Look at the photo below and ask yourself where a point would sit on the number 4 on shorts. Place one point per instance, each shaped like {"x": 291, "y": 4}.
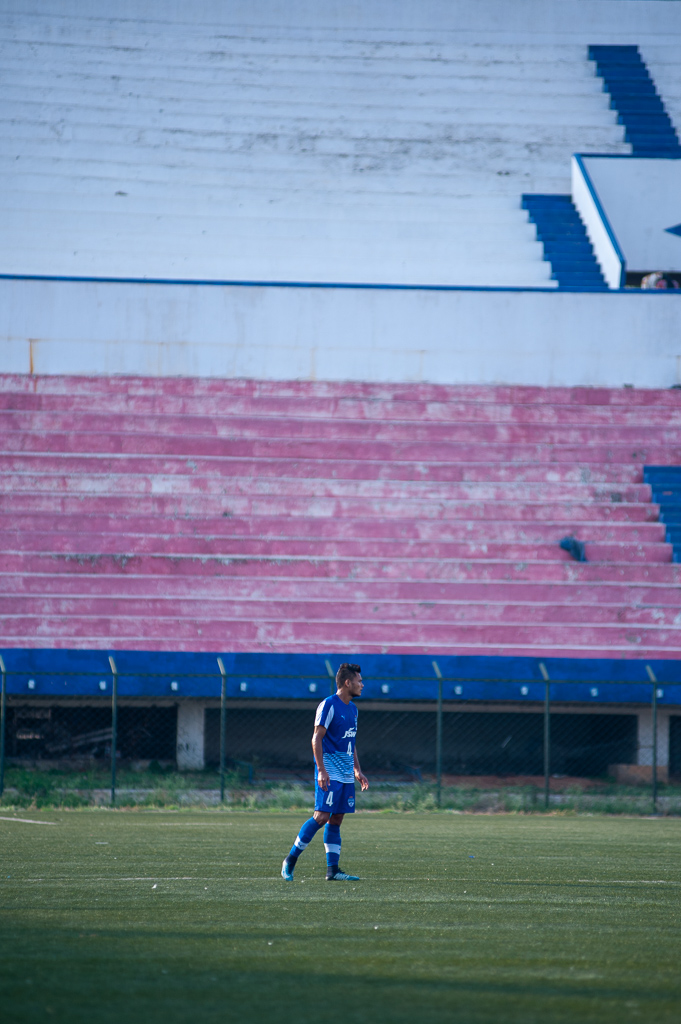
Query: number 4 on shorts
{"x": 329, "y": 799}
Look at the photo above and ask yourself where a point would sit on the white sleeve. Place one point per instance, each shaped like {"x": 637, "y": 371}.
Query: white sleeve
{"x": 324, "y": 715}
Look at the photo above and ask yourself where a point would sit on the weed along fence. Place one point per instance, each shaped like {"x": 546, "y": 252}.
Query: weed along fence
{"x": 419, "y": 722}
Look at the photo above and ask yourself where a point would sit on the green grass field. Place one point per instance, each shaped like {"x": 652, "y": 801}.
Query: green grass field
{"x": 160, "y": 918}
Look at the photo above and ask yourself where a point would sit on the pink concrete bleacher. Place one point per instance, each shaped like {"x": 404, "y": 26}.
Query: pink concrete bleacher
{"x": 178, "y": 514}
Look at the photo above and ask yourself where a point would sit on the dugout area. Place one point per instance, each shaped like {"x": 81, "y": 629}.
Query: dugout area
{"x": 400, "y": 739}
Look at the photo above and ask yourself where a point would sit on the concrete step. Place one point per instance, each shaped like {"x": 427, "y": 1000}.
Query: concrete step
{"x": 143, "y": 474}
{"x": 332, "y": 635}
{"x": 83, "y": 582}
{"x": 71, "y": 495}
{"x": 461, "y": 161}
{"x": 271, "y": 406}
{"x": 165, "y": 190}
{"x": 436, "y": 37}
{"x": 436, "y": 53}
{"x": 339, "y": 428}
{"x": 84, "y": 542}
{"x": 359, "y": 569}
{"x": 320, "y": 259}
{"x": 161, "y": 388}
{"x": 236, "y": 205}
{"x": 424, "y": 186}
{"x": 337, "y": 75}
{"x": 268, "y": 407}
{"x": 582, "y": 455}
{"x": 430, "y": 614}
{"x": 182, "y": 179}
{"x": 401, "y": 532}
{"x": 284, "y": 152}
{"x": 220, "y": 234}
{"x": 328, "y": 98}
{"x": 20, "y": 85}
{"x": 612, "y": 481}
{"x": 288, "y": 267}
{"x": 324, "y": 118}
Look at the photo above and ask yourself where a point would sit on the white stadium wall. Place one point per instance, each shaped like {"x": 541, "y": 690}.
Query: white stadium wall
{"x": 371, "y": 334}
{"x": 642, "y": 200}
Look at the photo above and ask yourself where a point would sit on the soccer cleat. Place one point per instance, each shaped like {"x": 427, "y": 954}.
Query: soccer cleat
{"x": 340, "y": 876}
{"x": 286, "y": 871}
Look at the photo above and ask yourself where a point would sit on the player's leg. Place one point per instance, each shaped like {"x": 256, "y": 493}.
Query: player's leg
{"x": 308, "y": 831}
{"x": 332, "y": 845}
{"x": 344, "y": 804}
{"x": 322, "y": 804}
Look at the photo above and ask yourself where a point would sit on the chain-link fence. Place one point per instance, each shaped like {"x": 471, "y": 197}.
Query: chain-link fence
{"x": 74, "y": 732}
{"x": 433, "y": 739}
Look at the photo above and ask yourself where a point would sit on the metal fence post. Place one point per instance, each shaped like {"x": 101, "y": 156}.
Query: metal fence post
{"x": 3, "y": 708}
{"x": 438, "y": 736}
{"x": 653, "y": 679}
{"x": 332, "y": 676}
{"x": 547, "y": 733}
{"x": 223, "y": 727}
{"x": 114, "y": 727}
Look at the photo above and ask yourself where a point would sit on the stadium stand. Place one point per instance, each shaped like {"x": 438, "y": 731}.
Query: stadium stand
{"x": 253, "y": 516}
{"x": 193, "y": 148}
{"x": 369, "y": 471}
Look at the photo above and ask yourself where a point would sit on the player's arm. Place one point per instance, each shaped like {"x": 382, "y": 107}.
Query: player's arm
{"x": 359, "y": 774}
{"x": 322, "y": 774}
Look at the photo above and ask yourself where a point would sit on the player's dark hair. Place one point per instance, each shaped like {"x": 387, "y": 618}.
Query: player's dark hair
{"x": 345, "y": 673}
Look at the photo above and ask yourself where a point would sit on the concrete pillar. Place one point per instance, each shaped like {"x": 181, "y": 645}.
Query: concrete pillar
{"x": 645, "y": 737}
{"x": 190, "y": 735}
{"x": 641, "y": 773}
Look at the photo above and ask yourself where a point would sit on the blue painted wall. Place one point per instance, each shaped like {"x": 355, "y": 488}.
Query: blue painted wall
{"x": 387, "y": 677}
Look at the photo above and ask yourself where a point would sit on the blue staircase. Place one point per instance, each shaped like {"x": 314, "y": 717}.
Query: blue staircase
{"x": 634, "y": 96}
{"x": 566, "y": 243}
{"x": 666, "y": 485}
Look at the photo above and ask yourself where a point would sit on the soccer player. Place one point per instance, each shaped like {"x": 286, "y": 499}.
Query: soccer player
{"x": 335, "y": 754}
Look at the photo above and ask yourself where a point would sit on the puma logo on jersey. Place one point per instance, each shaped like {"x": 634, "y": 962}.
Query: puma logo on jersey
{"x": 349, "y": 732}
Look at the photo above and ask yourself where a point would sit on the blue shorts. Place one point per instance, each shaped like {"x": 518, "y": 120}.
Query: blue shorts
{"x": 339, "y": 798}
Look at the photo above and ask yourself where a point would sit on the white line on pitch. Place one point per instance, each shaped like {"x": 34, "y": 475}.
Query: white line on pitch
{"x": 29, "y": 821}
{"x": 629, "y": 881}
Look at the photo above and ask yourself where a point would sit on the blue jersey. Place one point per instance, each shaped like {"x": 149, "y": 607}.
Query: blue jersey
{"x": 338, "y": 745}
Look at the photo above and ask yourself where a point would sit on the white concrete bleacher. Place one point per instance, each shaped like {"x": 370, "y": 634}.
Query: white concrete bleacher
{"x": 662, "y": 59}
{"x": 295, "y": 142}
